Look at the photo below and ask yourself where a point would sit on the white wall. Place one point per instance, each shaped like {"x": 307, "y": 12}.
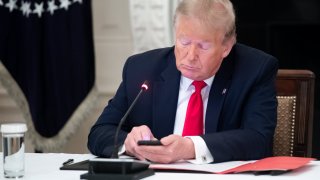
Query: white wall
{"x": 113, "y": 41}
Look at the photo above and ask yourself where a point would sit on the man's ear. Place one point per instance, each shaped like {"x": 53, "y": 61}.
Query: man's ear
{"x": 228, "y": 44}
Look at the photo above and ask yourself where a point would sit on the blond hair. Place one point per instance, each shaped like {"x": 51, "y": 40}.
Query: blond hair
{"x": 217, "y": 14}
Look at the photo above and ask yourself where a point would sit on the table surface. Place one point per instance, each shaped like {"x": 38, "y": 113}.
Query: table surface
{"x": 40, "y": 166}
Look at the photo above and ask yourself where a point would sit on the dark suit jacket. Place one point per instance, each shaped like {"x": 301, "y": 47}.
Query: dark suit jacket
{"x": 241, "y": 111}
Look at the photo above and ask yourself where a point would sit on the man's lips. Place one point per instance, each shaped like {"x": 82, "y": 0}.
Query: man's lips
{"x": 189, "y": 67}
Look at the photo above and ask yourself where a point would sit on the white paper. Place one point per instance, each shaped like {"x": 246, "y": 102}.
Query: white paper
{"x": 212, "y": 168}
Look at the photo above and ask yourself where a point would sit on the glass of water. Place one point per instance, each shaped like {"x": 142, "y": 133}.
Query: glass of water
{"x": 13, "y": 148}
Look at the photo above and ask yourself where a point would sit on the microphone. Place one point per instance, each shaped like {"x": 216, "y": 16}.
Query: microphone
{"x": 115, "y": 155}
{"x": 115, "y": 167}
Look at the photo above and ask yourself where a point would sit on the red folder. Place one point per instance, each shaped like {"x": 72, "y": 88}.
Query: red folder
{"x": 274, "y": 165}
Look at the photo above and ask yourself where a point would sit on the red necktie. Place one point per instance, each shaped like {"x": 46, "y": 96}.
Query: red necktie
{"x": 193, "y": 125}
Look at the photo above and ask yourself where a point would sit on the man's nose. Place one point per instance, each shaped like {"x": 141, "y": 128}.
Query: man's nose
{"x": 192, "y": 52}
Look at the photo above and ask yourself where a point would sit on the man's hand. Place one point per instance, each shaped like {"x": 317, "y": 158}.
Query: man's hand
{"x": 174, "y": 148}
{"x": 136, "y": 134}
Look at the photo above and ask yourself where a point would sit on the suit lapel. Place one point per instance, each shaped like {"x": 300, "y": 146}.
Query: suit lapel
{"x": 165, "y": 97}
{"x": 218, "y": 92}
{"x": 166, "y": 91}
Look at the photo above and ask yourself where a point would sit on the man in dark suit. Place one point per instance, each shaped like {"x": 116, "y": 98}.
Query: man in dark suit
{"x": 238, "y": 98}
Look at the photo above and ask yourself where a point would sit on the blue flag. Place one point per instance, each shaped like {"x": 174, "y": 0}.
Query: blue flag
{"x": 47, "y": 47}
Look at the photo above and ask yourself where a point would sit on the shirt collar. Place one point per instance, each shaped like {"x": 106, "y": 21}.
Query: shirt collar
{"x": 186, "y": 82}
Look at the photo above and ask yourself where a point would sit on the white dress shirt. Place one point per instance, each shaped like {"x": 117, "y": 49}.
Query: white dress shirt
{"x": 202, "y": 152}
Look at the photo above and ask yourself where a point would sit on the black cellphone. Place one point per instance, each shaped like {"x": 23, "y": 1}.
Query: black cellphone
{"x": 149, "y": 143}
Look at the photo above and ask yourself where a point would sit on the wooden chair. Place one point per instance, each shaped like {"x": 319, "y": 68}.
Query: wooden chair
{"x": 295, "y": 94}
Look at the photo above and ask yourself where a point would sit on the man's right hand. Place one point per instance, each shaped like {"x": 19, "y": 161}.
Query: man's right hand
{"x": 131, "y": 142}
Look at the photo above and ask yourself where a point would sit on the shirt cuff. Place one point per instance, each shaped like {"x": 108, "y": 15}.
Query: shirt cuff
{"x": 122, "y": 150}
{"x": 202, "y": 153}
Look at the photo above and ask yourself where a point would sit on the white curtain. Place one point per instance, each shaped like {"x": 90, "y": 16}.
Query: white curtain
{"x": 152, "y": 23}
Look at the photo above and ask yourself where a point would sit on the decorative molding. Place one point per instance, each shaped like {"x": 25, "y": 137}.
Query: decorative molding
{"x": 151, "y": 23}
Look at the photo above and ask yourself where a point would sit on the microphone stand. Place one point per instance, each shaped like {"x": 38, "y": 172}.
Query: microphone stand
{"x": 115, "y": 168}
{"x": 116, "y": 146}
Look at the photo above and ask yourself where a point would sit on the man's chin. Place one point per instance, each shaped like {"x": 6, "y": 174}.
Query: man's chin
{"x": 189, "y": 75}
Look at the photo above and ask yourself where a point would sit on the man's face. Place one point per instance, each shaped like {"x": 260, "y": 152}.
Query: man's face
{"x": 199, "y": 51}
